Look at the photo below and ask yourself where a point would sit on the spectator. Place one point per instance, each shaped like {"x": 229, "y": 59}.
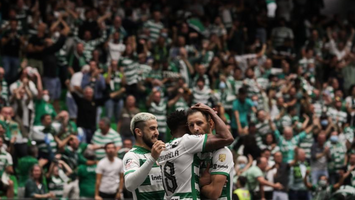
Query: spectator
{"x": 44, "y": 136}
{"x": 320, "y": 154}
{"x": 43, "y": 106}
{"x": 297, "y": 173}
{"x": 77, "y": 59}
{"x": 87, "y": 176}
{"x": 87, "y": 111}
{"x": 123, "y": 125}
{"x": 105, "y": 135}
{"x": 34, "y": 187}
{"x": 6, "y": 170}
{"x": 35, "y": 48}
{"x": 255, "y": 176}
{"x": 241, "y": 108}
{"x": 154, "y": 26}
{"x": 75, "y": 85}
{"x": 11, "y": 43}
{"x": 280, "y": 33}
{"x": 338, "y": 157}
{"x": 116, "y": 79}
{"x": 108, "y": 171}
{"x": 57, "y": 176}
{"x": 323, "y": 190}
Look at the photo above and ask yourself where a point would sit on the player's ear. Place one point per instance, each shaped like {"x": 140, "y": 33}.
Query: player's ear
{"x": 211, "y": 123}
{"x": 138, "y": 132}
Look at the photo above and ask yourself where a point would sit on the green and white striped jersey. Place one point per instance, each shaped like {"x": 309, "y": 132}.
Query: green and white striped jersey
{"x": 100, "y": 139}
{"x": 5, "y": 160}
{"x": 152, "y": 187}
{"x": 222, "y": 164}
{"x": 349, "y": 133}
{"x": 160, "y": 111}
{"x": 143, "y": 71}
{"x": 181, "y": 104}
{"x": 201, "y": 96}
{"x": 306, "y": 144}
{"x": 337, "y": 114}
{"x": 130, "y": 67}
{"x": 154, "y": 29}
{"x": 180, "y": 167}
{"x": 89, "y": 46}
{"x": 5, "y": 90}
{"x": 338, "y": 153}
{"x": 207, "y": 58}
{"x": 262, "y": 129}
{"x": 205, "y": 77}
{"x": 352, "y": 180}
{"x": 55, "y": 185}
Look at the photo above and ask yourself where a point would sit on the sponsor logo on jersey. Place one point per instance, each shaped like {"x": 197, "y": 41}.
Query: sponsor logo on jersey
{"x": 222, "y": 157}
{"x": 215, "y": 166}
{"x": 128, "y": 163}
{"x": 155, "y": 179}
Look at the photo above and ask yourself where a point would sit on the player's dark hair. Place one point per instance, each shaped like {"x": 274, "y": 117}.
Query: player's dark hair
{"x": 242, "y": 180}
{"x": 191, "y": 111}
{"x": 176, "y": 119}
{"x": 258, "y": 161}
{"x": 242, "y": 90}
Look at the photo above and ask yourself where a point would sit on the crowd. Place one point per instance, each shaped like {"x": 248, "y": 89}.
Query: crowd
{"x": 75, "y": 72}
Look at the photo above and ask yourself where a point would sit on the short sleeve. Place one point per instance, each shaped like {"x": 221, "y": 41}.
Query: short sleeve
{"x": 301, "y": 136}
{"x": 99, "y": 168}
{"x": 222, "y": 162}
{"x": 194, "y": 143}
{"x": 130, "y": 163}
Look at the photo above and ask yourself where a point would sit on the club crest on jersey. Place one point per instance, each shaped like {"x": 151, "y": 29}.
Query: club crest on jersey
{"x": 222, "y": 157}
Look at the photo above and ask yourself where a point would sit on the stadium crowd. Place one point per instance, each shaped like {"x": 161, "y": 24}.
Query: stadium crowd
{"x": 74, "y": 73}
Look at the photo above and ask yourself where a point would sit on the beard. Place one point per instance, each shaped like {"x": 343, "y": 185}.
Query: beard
{"x": 147, "y": 141}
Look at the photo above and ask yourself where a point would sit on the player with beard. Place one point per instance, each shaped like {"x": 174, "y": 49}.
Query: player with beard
{"x": 180, "y": 162}
{"x": 142, "y": 174}
{"x": 218, "y": 183}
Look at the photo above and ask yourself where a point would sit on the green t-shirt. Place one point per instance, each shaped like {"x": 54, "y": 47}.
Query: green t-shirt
{"x": 23, "y": 168}
{"x": 252, "y": 174}
{"x": 87, "y": 179}
{"x": 42, "y": 108}
{"x": 244, "y": 110}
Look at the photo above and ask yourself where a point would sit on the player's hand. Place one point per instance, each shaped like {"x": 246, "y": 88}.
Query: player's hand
{"x": 98, "y": 198}
{"x": 157, "y": 148}
{"x": 203, "y": 107}
{"x": 118, "y": 196}
{"x": 205, "y": 178}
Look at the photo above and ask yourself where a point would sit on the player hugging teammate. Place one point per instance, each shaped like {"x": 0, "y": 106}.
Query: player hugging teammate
{"x": 194, "y": 165}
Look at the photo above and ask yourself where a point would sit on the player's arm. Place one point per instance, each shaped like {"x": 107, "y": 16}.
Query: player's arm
{"x": 223, "y": 137}
{"x": 214, "y": 189}
{"x": 133, "y": 173}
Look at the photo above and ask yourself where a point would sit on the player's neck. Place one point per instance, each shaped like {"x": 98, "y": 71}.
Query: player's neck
{"x": 179, "y": 133}
{"x": 143, "y": 145}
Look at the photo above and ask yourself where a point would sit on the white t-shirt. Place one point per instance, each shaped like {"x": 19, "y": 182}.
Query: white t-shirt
{"x": 110, "y": 174}
{"x": 115, "y": 51}
{"x": 75, "y": 81}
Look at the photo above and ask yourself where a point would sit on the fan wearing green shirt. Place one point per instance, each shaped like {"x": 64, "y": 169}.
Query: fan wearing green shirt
{"x": 23, "y": 168}
{"x": 72, "y": 154}
{"x": 6, "y": 186}
{"x": 43, "y": 106}
{"x": 87, "y": 175}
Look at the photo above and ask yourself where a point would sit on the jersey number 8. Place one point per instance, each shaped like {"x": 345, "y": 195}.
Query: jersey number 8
{"x": 170, "y": 180}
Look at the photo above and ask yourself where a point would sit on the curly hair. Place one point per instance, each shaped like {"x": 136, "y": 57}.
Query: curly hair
{"x": 176, "y": 119}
